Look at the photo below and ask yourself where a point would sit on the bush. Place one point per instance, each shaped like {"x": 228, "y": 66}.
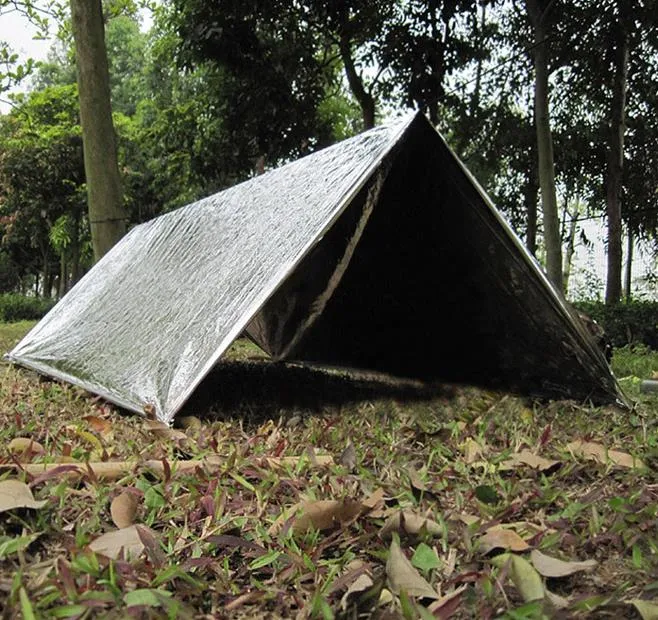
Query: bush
{"x": 626, "y": 323}
{"x": 15, "y": 307}
{"x": 637, "y": 361}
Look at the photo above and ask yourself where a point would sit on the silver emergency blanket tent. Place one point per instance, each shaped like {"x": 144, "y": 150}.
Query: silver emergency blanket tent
{"x": 379, "y": 253}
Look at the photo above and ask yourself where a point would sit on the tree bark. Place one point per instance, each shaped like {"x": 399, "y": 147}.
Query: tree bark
{"x": 546, "y": 168}
{"x": 616, "y": 160}
{"x": 628, "y": 289}
{"x": 107, "y": 214}
{"x": 530, "y": 199}
{"x": 365, "y": 100}
{"x": 571, "y": 245}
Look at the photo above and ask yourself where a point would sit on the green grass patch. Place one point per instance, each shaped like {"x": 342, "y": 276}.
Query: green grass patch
{"x": 325, "y": 494}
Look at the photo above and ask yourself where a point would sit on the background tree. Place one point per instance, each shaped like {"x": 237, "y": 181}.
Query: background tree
{"x": 540, "y": 14}
{"x": 44, "y": 227}
{"x": 107, "y": 216}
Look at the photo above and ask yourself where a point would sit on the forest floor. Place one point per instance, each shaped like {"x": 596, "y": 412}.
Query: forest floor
{"x": 289, "y": 492}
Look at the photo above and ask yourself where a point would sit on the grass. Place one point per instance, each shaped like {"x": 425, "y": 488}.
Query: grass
{"x": 244, "y": 537}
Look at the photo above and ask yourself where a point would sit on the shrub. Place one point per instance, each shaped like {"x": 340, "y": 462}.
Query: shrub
{"x": 15, "y": 307}
{"x": 637, "y": 361}
{"x": 626, "y": 323}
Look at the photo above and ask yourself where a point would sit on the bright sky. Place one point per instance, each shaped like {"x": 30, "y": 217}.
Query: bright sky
{"x": 17, "y": 31}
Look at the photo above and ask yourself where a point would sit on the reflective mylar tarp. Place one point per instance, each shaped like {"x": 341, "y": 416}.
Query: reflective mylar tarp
{"x": 378, "y": 253}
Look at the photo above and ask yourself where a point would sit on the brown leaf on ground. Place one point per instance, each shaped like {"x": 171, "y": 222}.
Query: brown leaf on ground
{"x": 123, "y": 509}
{"x": 552, "y": 567}
{"x": 409, "y": 522}
{"x": 526, "y": 579}
{"x": 125, "y": 543}
{"x": 98, "y": 425}
{"x": 112, "y": 470}
{"x": 448, "y": 604}
{"x": 163, "y": 431}
{"x": 325, "y": 514}
{"x": 402, "y": 576}
{"x": 374, "y": 503}
{"x": 348, "y": 457}
{"x": 525, "y": 457}
{"x": 16, "y": 494}
{"x": 362, "y": 583}
{"x": 498, "y": 537}
{"x": 416, "y": 481}
{"x": 24, "y": 447}
{"x": 599, "y": 453}
{"x": 472, "y": 451}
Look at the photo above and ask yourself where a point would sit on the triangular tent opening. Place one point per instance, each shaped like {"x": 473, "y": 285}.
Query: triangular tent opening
{"x": 379, "y": 253}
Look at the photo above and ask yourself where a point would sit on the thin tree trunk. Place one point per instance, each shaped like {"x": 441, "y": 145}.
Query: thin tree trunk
{"x": 616, "y": 162}
{"x": 530, "y": 199}
{"x": 629, "y": 266}
{"x": 107, "y": 215}
{"x": 63, "y": 276}
{"x": 46, "y": 277}
{"x": 571, "y": 245}
{"x": 546, "y": 167}
{"x": 365, "y": 100}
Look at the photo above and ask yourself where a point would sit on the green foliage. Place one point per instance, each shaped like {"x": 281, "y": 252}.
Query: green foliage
{"x": 626, "y": 323}
{"x": 15, "y": 307}
{"x": 635, "y": 361}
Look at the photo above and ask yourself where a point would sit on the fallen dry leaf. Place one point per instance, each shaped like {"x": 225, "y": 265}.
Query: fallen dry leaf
{"x": 16, "y": 494}
{"x": 402, "y": 576}
{"x": 163, "y": 431}
{"x": 472, "y": 450}
{"x": 325, "y": 514}
{"x": 98, "y": 425}
{"x": 284, "y": 462}
{"x": 525, "y": 578}
{"x": 525, "y": 457}
{"x": 445, "y": 606}
{"x": 557, "y": 601}
{"x": 498, "y": 537}
{"x": 599, "y": 453}
{"x": 125, "y": 541}
{"x": 647, "y": 609}
{"x": 25, "y": 447}
{"x": 416, "y": 481}
{"x": 348, "y": 457}
{"x": 362, "y": 583}
{"x": 552, "y": 567}
{"x": 112, "y": 470}
{"x": 123, "y": 509}
{"x": 409, "y": 522}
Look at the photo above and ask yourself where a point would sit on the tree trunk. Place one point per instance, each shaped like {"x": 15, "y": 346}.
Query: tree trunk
{"x": 546, "y": 167}
{"x": 629, "y": 267}
{"x": 571, "y": 245}
{"x": 365, "y": 100}
{"x": 107, "y": 215}
{"x": 530, "y": 199}
{"x": 616, "y": 161}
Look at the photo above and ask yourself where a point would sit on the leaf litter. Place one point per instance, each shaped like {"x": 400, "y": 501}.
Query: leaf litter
{"x": 376, "y": 501}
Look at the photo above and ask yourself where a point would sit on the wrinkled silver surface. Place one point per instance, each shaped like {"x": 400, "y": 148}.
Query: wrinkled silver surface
{"x": 380, "y": 253}
{"x": 146, "y": 324}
